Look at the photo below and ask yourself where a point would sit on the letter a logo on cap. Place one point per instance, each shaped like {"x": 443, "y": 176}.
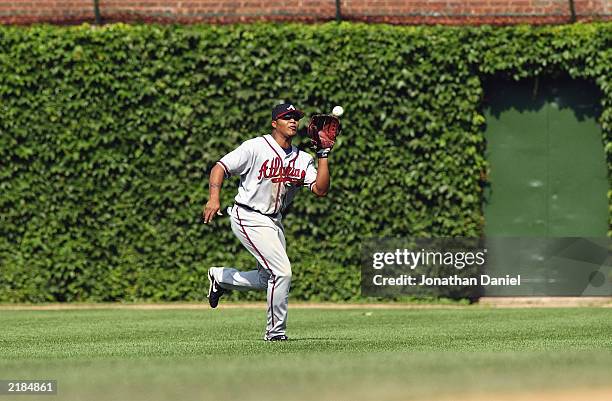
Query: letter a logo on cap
{"x": 285, "y": 108}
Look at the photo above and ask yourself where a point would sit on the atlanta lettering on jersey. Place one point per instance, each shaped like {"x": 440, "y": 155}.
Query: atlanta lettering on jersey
{"x": 274, "y": 170}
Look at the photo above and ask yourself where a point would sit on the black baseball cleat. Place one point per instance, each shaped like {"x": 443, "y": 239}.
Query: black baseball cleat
{"x": 214, "y": 290}
{"x": 281, "y": 337}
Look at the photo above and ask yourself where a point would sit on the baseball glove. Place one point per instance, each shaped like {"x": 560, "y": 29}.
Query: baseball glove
{"x": 322, "y": 131}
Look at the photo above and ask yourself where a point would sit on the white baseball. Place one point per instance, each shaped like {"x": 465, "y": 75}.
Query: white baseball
{"x": 338, "y": 111}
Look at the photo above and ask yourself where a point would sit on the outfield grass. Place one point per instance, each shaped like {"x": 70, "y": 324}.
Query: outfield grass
{"x": 333, "y": 355}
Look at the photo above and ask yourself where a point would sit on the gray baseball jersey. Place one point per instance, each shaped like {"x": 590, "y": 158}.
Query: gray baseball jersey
{"x": 269, "y": 179}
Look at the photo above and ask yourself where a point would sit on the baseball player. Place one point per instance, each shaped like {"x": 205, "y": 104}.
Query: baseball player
{"x": 271, "y": 172}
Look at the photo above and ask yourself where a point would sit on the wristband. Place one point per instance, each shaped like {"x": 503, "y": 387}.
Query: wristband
{"x": 323, "y": 153}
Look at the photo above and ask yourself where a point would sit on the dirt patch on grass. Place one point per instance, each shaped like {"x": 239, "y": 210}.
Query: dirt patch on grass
{"x": 534, "y": 302}
{"x": 545, "y": 302}
{"x": 228, "y": 305}
{"x": 604, "y": 394}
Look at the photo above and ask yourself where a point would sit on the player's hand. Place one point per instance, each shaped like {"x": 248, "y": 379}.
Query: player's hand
{"x": 210, "y": 210}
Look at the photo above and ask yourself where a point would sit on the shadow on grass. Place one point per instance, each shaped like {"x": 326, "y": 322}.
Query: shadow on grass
{"x": 319, "y": 339}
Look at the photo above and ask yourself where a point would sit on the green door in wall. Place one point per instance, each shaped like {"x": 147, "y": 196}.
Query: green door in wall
{"x": 548, "y": 174}
{"x": 548, "y": 179}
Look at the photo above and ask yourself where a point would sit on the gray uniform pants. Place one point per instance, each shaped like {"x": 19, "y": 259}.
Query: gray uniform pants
{"x": 264, "y": 237}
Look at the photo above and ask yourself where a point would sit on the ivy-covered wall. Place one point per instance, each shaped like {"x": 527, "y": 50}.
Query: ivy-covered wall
{"x": 107, "y": 135}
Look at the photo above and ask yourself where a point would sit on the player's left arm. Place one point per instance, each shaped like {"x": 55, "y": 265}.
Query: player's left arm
{"x": 321, "y": 184}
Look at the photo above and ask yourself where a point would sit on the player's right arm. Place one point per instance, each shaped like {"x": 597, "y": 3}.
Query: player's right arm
{"x": 217, "y": 174}
{"x": 236, "y": 162}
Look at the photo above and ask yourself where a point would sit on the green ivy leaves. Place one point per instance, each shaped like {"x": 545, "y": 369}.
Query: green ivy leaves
{"x": 107, "y": 134}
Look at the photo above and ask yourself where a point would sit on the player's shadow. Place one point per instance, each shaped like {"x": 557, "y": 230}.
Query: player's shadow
{"x": 318, "y": 339}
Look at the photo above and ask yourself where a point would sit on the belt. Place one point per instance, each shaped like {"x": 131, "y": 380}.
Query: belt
{"x": 250, "y": 209}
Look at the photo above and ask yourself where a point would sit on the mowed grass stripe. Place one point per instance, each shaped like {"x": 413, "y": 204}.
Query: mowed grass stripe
{"x": 191, "y": 334}
{"x": 368, "y": 354}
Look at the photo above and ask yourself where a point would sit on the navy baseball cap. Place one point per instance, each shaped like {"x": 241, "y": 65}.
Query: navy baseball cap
{"x": 285, "y": 108}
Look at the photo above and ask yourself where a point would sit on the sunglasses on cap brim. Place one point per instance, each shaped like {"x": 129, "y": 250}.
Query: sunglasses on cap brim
{"x": 290, "y": 116}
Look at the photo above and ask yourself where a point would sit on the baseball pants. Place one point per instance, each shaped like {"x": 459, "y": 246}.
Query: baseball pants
{"x": 264, "y": 237}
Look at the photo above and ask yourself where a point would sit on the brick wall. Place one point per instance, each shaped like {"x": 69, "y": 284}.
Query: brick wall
{"x": 227, "y": 11}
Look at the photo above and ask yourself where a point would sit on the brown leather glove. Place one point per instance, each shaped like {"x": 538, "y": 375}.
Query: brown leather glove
{"x": 323, "y": 130}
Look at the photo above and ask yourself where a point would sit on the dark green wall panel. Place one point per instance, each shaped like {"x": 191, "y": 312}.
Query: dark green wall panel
{"x": 578, "y": 172}
{"x": 548, "y": 173}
